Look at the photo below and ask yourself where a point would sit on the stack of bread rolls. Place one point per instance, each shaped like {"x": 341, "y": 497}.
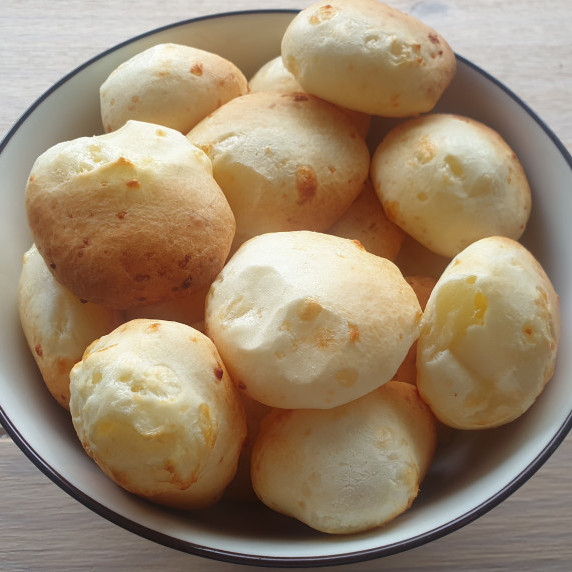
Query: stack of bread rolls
{"x": 233, "y": 292}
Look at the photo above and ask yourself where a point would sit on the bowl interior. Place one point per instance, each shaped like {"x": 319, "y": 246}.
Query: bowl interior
{"x": 473, "y": 471}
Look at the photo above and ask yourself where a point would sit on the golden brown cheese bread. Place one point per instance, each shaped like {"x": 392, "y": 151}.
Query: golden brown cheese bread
{"x": 366, "y": 221}
{"x": 189, "y": 310}
{"x": 449, "y": 180}
{"x": 285, "y": 161}
{"x": 153, "y": 405}
{"x": 58, "y": 326}
{"x": 310, "y": 320}
{"x": 129, "y": 218}
{"x": 368, "y": 56}
{"x": 240, "y": 488}
{"x": 273, "y": 76}
{"x": 422, "y": 286}
{"x": 489, "y": 337}
{"x": 414, "y": 259}
{"x": 171, "y": 85}
{"x": 347, "y": 469}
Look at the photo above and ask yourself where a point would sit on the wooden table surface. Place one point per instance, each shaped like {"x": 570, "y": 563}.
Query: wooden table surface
{"x": 524, "y": 43}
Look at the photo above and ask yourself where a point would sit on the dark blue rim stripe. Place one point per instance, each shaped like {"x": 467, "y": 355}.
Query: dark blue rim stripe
{"x": 250, "y": 559}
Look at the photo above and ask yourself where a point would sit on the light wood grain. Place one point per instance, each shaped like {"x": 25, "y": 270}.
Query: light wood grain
{"x": 524, "y": 43}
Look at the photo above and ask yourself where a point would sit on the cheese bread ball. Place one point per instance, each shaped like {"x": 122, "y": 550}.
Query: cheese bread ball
{"x": 422, "y": 286}
{"x": 285, "y": 161}
{"x": 129, "y": 218}
{"x": 309, "y": 320}
{"x": 273, "y": 76}
{"x": 366, "y": 221}
{"x": 240, "y": 489}
{"x": 347, "y": 469}
{"x": 368, "y": 56}
{"x": 58, "y": 326}
{"x": 154, "y": 407}
{"x": 489, "y": 337}
{"x": 448, "y": 180}
{"x": 189, "y": 310}
{"x": 414, "y": 259}
{"x": 171, "y": 85}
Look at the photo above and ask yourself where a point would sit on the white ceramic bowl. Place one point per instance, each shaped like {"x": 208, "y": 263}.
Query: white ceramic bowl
{"x": 472, "y": 474}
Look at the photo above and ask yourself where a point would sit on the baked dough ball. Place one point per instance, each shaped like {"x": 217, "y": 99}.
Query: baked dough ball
{"x": 171, "y": 85}
{"x": 189, "y": 310}
{"x": 273, "y": 76}
{"x": 240, "y": 489}
{"x": 309, "y": 320}
{"x": 366, "y": 221}
{"x": 129, "y": 218}
{"x": 153, "y": 405}
{"x": 489, "y": 337}
{"x": 449, "y": 180}
{"x": 284, "y": 161}
{"x": 414, "y": 259}
{"x": 422, "y": 286}
{"x": 57, "y": 325}
{"x": 368, "y": 56}
{"x": 347, "y": 469}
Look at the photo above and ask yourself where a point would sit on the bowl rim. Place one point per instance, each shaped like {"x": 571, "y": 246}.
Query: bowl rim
{"x": 279, "y": 561}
